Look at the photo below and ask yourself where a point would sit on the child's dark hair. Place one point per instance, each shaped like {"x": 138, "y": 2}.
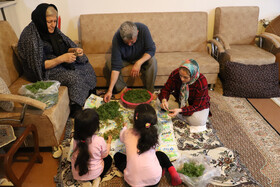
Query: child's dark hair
{"x": 86, "y": 124}
{"x": 145, "y": 119}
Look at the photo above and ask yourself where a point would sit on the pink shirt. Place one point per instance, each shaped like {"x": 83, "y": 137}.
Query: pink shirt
{"x": 98, "y": 150}
{"x": 143, "y": 169}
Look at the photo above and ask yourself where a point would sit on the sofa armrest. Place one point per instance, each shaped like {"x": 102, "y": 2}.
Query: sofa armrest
{"x": 222, "y": 40}
{"x": 23, "y": 99}
{"x": 274, "y": 39}
{"x": 217, "y": 44}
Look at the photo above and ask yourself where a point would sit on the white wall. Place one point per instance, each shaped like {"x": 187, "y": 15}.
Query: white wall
{"x": 19, "y": 15}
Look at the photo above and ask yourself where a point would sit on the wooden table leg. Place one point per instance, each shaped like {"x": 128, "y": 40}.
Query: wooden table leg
{"x": 36, "y": 157}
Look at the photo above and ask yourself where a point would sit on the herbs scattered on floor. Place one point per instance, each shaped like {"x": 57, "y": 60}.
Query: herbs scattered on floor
{"x": 110, "y": 111}
{"x": 137, "y": 96}
{"x": 191, "y": 169}
{"x": 115, "y": 133}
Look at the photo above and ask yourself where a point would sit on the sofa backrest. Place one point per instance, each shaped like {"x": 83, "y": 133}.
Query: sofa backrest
{"x": 9, "y": 64}
{"x": 171, "y": 31}
{"x": 237, "y": 25}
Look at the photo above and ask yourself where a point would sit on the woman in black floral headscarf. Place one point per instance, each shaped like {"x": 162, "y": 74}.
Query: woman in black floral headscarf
{"x": 48, "y": 54}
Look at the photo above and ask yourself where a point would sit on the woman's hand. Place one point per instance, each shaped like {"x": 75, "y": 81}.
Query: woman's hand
{"x": 79, "y": 52}
{"x": 109, "y": 139}
{"x": 68, "y": 57}
{"x": 164, "y": 105}
{"x": 174, "y": 112}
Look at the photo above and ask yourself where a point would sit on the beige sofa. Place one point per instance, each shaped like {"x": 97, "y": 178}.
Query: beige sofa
{"x": 177, "y": 35}
{"x": 50, "y": 122}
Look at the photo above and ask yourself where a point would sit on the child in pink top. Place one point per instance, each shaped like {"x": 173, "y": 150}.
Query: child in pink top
{"x": 90, "y": 159}
{"x": 142, "y": 165}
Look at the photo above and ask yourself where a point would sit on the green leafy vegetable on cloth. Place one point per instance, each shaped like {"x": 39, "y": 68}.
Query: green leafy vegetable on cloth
{"x": 110, "y": 111}
{"x": 34, "y": 88}
{"x": 191, "y": 169}
{"x": 137, "y": 96}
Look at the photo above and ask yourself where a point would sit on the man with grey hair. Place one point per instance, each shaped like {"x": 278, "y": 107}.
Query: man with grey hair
{"x": 132, "y": 44}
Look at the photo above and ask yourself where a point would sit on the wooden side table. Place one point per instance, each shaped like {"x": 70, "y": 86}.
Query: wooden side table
{"x": 11, "y": 152}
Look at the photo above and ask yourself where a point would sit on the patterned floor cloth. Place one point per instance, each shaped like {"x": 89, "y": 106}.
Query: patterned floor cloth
{"x": 241, "y": 128}
{"x": 237, "y": 136}
{"x": 206, "y": 144}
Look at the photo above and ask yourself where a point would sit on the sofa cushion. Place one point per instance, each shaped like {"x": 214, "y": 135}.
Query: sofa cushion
{"x": 259, "y": 82}
{"x": 249, "y": 55}
{"x": 207, "y": 64}
{"x": 171, "y": 31}
{"x": 10, "y": 68}
{"x": 5, "y": 105}
{"x": 229, "y": 22}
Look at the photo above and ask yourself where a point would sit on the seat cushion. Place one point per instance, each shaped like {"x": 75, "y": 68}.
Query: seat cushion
{"x": 166, "y": 62}
{"x": 251, "y": 81}
{"x": 249, "y": 55}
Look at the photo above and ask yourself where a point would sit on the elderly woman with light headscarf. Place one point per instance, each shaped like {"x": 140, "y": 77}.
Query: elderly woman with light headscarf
{"x": 48, "y": 54}
{"x": 190, "y": 90}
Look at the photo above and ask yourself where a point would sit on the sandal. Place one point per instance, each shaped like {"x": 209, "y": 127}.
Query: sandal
{"x": 57, "y": 151}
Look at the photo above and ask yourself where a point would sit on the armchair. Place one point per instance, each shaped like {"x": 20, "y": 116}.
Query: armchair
{"x": 50, "y": 123}
{"x": 246, "y": 70}
{"x": 273, "y": 28}
{"x": 9, "y": 149}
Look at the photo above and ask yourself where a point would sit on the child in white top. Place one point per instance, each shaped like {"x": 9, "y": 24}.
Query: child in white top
{"x": 90, "y": 159}
{"x": 142, "y": 165}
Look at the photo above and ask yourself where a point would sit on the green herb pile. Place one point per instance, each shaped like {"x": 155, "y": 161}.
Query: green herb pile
{"x": 110, "y": 111}
{"x": 137, "y": 96}
{"x": 192, "y": 170}
{"x": 34, "y": 88}
{"x": 115, "y": 133}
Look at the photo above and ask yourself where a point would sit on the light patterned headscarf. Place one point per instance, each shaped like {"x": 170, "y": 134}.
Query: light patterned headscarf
{"x": 193, "y": 68}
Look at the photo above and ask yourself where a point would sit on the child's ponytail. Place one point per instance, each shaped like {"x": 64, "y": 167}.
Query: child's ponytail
{"x": 86, "y": 124}
{"x": 82, "y": 158}
{"x": 145, "y": 119}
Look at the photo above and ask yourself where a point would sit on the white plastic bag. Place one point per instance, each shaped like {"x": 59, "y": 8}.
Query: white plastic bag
{"x": 48, "y": 95}
{"x": 208, "y": 173}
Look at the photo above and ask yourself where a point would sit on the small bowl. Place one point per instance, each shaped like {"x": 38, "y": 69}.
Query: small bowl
{"x": 133, "y": 105}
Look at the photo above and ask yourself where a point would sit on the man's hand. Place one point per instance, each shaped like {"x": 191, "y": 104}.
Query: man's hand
{"x": 174, "y": 112}
{"x": 107, "y": 97}
{"x": 135, "y": 71}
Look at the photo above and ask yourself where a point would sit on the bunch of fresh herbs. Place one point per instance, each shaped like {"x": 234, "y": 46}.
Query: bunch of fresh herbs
{"x": 137, "y": 96}
{"x": 34, "y": 88}
{"x": 191, "y": 169}
{"x": 110, "y": 111}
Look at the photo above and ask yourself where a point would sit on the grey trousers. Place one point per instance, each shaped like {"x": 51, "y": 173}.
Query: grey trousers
{"x": 148, "y": 74}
